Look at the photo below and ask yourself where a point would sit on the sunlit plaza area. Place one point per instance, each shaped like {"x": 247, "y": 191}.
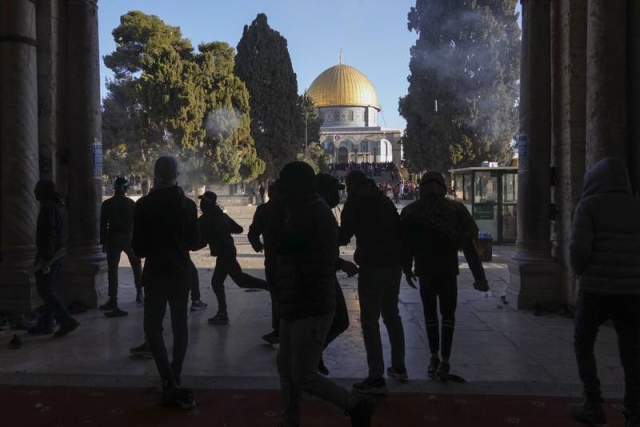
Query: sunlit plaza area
{"x": 411, "y": 213}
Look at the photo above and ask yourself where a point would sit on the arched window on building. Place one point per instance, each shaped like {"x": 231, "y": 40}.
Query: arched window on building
{"x": 364, "y": 147}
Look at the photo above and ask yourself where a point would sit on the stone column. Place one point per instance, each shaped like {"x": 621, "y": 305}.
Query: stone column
{"x": 534, "y": 275}
{"x": 84, "y": 274}
{"x": 19, "y": 153}
{"x": 606, "y": 80}
{"x": 633, "y": 68}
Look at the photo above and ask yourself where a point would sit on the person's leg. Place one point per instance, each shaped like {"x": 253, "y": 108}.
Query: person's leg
{"x": 370, "y": 293}
{"x": 391, "y": 316}
{"x": 591, "y": 312}
{"x": 113, "y": 261}
{"x": 244, "y": 280}
{"x": 291, "y": 395}
{"x": 626, "y": 320}
{"x": 51, "y": 296}
{"x": 429, "y": 297}
{"x": 178, "y": 307}
{"x": 155, "y": 306}
{"x": 217, "y": 283}
{"x": 136, "y": 264}
{"x": 341, "y": 319}
{"x": 195, "y": 284}
{"x": 448, "y": 298}
{"x": 307, "y": 337}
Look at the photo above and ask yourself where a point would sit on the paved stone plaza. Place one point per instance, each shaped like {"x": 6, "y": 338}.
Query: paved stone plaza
{"x": 497, "y": 349}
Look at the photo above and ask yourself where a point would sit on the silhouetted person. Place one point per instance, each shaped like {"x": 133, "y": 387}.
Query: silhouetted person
{"x": 605, "y": 255}
{"x": 268, "y": 221}
{"x": 116, "y": 231}
{"x": 261, "y": 191}
{"x": 307, "y": 251}
{"x": 434, "y": 229}
{"x": 51, "y": 242}
{"x": 329, "y": 189}
{"x": 216, "y": 228}
{"x": 372, "y": 218}
{"x": 165, "y": 230}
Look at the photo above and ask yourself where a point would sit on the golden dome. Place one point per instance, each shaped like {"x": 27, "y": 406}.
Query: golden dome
{"x": 343, "y": 85}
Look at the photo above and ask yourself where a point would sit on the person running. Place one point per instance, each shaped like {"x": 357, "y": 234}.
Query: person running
{"x": 216, "y": 228}
{"x": 165, "y": 229}
{"x": 307, "y": 250}
{"x": 372, "y": 218}
{"x": 51, "y": 243}
{"x": 605, "y": 255}
{"x": 116, "y": 230}
{"x": 434, "y": 229}
{"x": 268, "y": 221}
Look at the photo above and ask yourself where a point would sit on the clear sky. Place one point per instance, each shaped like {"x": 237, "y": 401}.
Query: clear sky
{"x": 373, "y": 35}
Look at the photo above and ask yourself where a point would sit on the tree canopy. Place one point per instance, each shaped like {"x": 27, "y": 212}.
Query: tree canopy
{"x": 277, "y": 120}
{"x": 463, "y": 87}
{"x": 167, "y": 97}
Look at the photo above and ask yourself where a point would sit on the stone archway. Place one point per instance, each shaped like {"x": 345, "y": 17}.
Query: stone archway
{"x": 343, "y": 155}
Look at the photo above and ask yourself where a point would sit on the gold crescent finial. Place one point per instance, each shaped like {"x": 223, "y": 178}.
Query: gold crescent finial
{"x": 340, "y": 56}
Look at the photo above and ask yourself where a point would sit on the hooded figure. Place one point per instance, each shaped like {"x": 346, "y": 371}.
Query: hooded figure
{"x": 434, "y": 229}
{"x": 307, "y": 249}
{"x": 51, "y": 240}
{"x": 605, "y": 255}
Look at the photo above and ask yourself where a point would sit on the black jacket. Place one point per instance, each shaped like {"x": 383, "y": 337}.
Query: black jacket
{"x": 216, "y": 228}
{"x": 51, "y": 231}
{"x": 605, "y": 240}
{"x": 434, "y": 252}
{"x": 116, "y": 216}
{"x": 165, "y": 230}
{"x": 373, "y": 218}
{"x": 307, "y": 251}
{"x": 268, "y": 222}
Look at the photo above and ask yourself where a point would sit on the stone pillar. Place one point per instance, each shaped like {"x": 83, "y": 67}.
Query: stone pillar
{"x": 633, "y": 68}
{"x": 534, "y": 275}
{"x": 19, "y": 154}
{"x": 84, "y": 274}
{"x": 606, "y": 80}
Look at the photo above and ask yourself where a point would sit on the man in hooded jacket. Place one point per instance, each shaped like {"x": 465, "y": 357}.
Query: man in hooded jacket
{"x": 605, "y": 255}
{"x": 434, "y": 229}
{"x": 165, "y": 230}
{"x": 372, "y": 217}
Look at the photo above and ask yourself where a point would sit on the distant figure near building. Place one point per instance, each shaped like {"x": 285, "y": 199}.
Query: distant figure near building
{"x": 116, "y": 231}
{"x": 261, "y": 191}
{"x": 51, "y": 241}
{"x": 165, "y": 230}
{"x": 434, "y": 229}
{"x": 371, "y": 217}
{"x": 307, "y": 251}
{"x": 216, "y": 228}
{"x": 605, "y": 255}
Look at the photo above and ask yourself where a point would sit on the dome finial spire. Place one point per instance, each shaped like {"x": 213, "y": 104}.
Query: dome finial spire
{"x": 340, "y": 56}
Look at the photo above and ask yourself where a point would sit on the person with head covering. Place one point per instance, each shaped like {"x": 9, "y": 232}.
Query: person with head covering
{"x": 268, "y": 221}
{"x": 307, "y": 250}
{"x": 216, "y": 229}
{"x": 116, "y": 231}
{"x": 605, "y": 256}
{"x": 165, "y": 229}
{"x": 434, "y": 229}
{"x": 51, "y": 243}
{"x": 373, "y": 219}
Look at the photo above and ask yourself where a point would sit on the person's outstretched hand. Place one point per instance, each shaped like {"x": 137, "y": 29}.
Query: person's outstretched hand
{"x": 258, "y": 247}
{"x": 410, "y": 277}
{"x": 481, "y": 285}
{"x": 350, "y": 268}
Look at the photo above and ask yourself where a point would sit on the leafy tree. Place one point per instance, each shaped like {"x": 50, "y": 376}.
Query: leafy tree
{"x": 166, "y": 97}
{"x": 264, "y": 65}
{"x": 461, "y": 104}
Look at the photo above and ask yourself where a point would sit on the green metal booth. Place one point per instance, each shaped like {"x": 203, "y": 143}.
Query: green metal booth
{"x": 491, "y": 195}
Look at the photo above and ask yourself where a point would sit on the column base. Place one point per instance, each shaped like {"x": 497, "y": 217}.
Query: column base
{"x": 18, "y": 293}
{"x": 534, "y": 280}
{"x": 84, "y": 276}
